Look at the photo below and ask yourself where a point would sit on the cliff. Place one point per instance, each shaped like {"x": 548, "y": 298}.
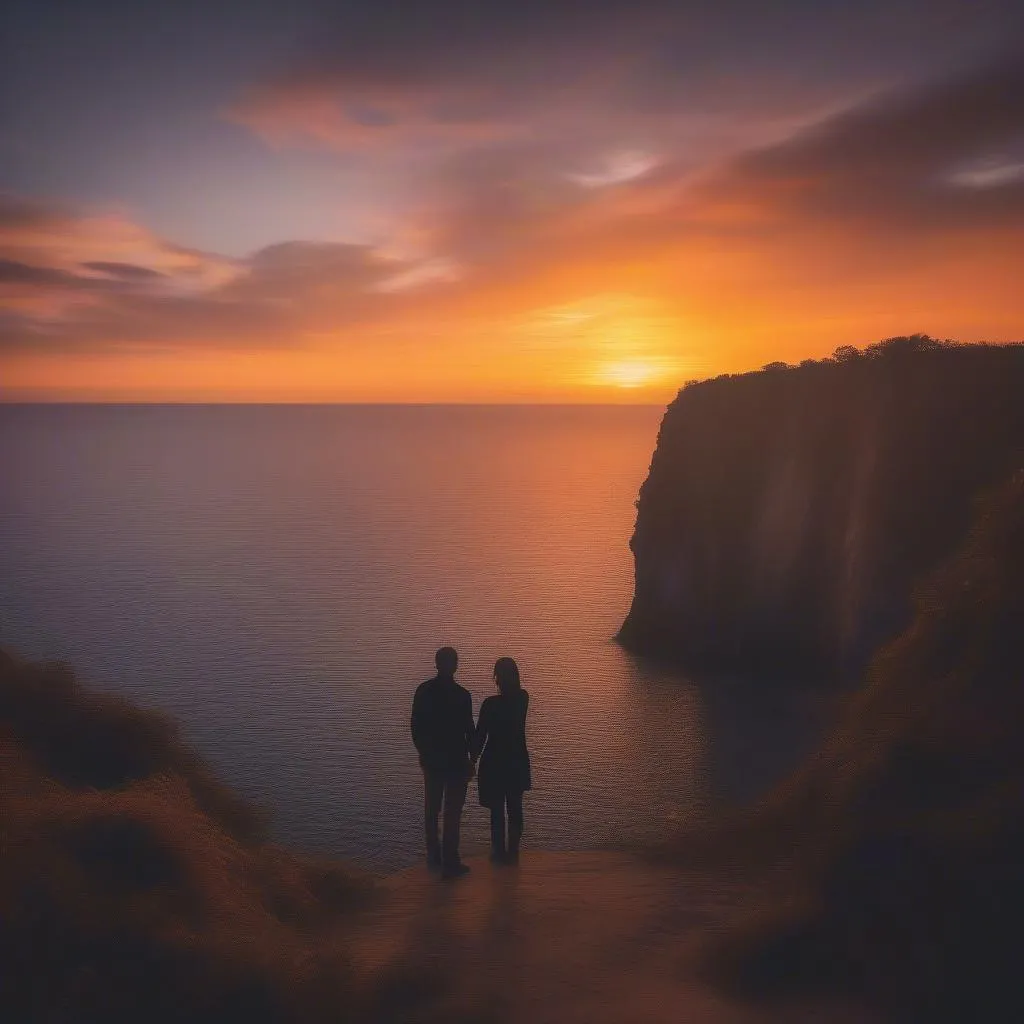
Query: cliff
{"x": 904, "y": 836}
{"x": 788, "y": 513}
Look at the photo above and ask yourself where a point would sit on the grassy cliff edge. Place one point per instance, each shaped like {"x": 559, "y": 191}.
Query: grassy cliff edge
{"x": 903, "y": 838}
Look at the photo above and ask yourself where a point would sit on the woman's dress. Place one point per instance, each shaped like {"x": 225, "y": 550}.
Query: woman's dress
{"x": 505, "y": 761}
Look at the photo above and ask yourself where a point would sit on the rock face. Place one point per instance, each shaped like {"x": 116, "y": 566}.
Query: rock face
{"x": 789, "y": 513}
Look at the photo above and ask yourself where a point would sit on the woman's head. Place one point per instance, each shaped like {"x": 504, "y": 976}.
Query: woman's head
{"x": 506, "y": 675}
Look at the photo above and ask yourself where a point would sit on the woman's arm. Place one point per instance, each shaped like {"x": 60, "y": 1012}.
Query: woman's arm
{"x": 480, "y": 733}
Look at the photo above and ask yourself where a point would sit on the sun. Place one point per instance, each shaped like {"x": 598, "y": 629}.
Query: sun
{"x": 629, "y": 373}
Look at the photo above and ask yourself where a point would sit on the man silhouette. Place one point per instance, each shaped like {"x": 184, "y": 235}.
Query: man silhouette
{"x": 442, "y": 729}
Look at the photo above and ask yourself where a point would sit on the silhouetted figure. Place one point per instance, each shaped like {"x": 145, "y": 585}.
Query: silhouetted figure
{"x": 442, "y": 729}
{"x": 500, "y": 743}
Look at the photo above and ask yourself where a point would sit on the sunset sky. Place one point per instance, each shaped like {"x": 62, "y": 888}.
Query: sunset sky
{"x": 441, "y": 200}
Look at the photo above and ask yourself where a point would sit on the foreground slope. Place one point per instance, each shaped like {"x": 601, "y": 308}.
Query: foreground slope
{"x": 788, "y": 513}
{"x": 566, "y": 938}
{"x": 134, "y": 886}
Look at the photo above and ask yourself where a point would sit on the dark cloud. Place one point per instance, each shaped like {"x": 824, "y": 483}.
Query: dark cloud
{"x": 887, "y": 165}
{"x": 124, "y": 271}
{"x": 897, "y": 157}
{"x": 393, "y": 65}
{"x": 271, "y": 299}
{"x": 28, "y": 278}
{"x": 145, "y": 322}
{"x": 17, "y": 331}
{"x": 878, "y": 178}
{"x": 304, "y": 265}
{"x": 907, "y": 132}
{"x": 392, "y": 42}
{"x": 530, "y": 98}
{"x": 18, "y": 212}
{"x": 483, "y": 201}
{"x": 17, "y": 273}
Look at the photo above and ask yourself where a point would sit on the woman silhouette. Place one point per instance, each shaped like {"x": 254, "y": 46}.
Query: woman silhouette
{"x": 500, "y": 743}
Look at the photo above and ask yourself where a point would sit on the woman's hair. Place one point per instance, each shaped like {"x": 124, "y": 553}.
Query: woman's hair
{"x": 506, "y": 675}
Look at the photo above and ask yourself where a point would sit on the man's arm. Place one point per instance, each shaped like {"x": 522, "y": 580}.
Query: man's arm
{"x": 417, "y": 722}
{"x": 468, "y": 728}
{"x": 469, "y": 731}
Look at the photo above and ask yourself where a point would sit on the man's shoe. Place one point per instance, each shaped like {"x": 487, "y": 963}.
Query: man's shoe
{"x": 433, "y": 864}
{"x": 499, "y": 857}
{"x": 454, "y": 871}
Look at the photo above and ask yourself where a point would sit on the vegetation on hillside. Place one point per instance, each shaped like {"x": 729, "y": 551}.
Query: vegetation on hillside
{"x": 789, "y": 513}
{"x": 135, "y": 887}
{"x": 904, "y": 836}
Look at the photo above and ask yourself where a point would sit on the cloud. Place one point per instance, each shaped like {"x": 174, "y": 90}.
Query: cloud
{"x": 896, "y": 158}
{"x": 417, "y": 276}
{"x": 542, "y": 134}
{"x": 615, "y": 168}
{"x": 452, "y": 69}
{"x": 988, "y": 174}
{"x": 884, "y": 169}
{"x": 394, "y": 73}
{"x": 180, "y": 298}
{"x": 55, "y": 235}
{"x": 842, "y": 212}
{"x": 14, "y": 273}
{"x": 19, "y": 213}
{"x": 124, "y": 271}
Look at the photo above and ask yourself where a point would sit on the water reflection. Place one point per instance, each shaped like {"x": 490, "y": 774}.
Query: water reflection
{"x": 279, "y": 578}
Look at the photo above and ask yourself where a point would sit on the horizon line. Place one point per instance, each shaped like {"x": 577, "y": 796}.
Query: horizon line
{"x": 11, "y": 403}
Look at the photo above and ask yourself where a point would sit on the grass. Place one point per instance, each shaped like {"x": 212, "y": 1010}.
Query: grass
{"x": 135, "y": 886}
{"x": 901, "y": 842}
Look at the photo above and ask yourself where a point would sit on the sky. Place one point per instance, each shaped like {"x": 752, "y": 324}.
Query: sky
{"x": 487, "y": 201}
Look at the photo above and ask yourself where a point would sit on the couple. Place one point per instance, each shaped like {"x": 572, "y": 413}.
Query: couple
{"x": 449, "y": 746}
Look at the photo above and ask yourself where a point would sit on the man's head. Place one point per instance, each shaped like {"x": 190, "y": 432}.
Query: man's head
{"x": 447, "y": 661}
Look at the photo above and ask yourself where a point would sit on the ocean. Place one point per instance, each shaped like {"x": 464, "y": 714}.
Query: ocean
{"x": 278, "y": 578}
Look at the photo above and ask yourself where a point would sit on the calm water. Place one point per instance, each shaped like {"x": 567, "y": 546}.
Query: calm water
{"x": 279, "y": 577}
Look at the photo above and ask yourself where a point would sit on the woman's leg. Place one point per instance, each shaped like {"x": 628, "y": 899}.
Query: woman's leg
{"x": 515, "y": 823}
{"x": 498, "y": 830}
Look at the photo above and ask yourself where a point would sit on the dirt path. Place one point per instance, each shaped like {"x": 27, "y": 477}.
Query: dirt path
{"x": 592, "y": 938}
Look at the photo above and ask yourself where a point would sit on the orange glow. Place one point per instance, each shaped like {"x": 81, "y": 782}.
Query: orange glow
{"x": 608, "y": 322}
{"x": 628, "y": 373}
